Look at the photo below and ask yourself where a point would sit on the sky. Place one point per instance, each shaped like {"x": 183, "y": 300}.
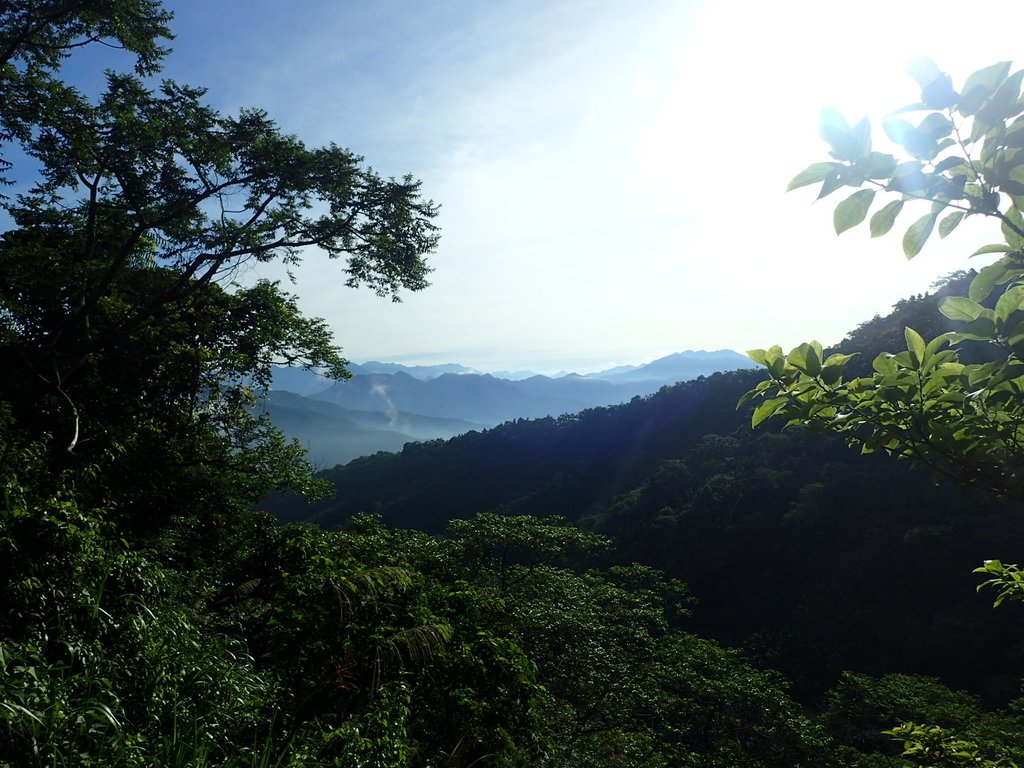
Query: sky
{"x": 611, "y": 175}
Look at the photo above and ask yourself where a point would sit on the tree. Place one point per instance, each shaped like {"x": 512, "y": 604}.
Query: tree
{"x": 127, "y": 336}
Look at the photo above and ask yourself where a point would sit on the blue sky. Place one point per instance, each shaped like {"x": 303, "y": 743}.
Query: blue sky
{"x": 611, "y": 176}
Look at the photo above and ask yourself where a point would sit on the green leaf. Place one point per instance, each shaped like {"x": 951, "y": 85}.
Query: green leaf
{"x": 758, "y": 356}
{"x": 851, "y": 211}
{"x": 936, "y": 344}
{"x": 812, "y": 174}
{"x": 915, "y": 345}
{"x": 813, "y": 356}
{"x": 877, "y": 165}
{"x": 993, "y": 248}
{"x": 960, "y": 308}
{"x": 883, "y": 219}
{"x": 1013, "y": 237}
{"x": 1003, "y": 103}
{"x": 953, "y": 161}
{"x": 1010, "y": 302}
{"x": 839, "y": 360}
{"x": 806, "y": 358}
{"x": 988, "y": 278}
{"x": 1015, "y": 334}
{"x": 1014, "y": 136}
{"x": 950, "y": 223}
{"x": 982, "y": 328}
{"x": 939, "y": 94}
{"x": 936, "y": 126}
{"x": 766, "y": 410}
{"x": 883, "y": 364}
{"x": 979, "y": 86}
{"x": 918, "y": 234}
{"x": 832, "y": 182}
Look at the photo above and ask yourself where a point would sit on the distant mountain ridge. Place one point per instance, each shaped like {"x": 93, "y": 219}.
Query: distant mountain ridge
{"x": 427, "y": 402}
{"x": 416, "y": 371}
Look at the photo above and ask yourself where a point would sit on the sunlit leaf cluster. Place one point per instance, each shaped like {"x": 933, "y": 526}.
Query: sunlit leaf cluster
{"x": 964, "y": 157}
{"x": 928, "y": 402}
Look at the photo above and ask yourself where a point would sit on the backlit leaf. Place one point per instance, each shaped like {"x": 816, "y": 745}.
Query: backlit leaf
{"x": 988, "y": 278}
{"x": 851, "y": 211}
{"x": 766, "y": 410}
{"x": 1012, "y": 227}
{"x": 918, "y": 234}
{"x": 915, "y": 345}
{"x": 960, "y": 308}
{"x": 758, "y": 356}
{"x": 1009, "y": 302}
{"x": 980, "y": 85}
{"x": 883, "y": 219}
{"x": 949, "y": 223}
{"x": 812, "y": 174}
{"x": 993, "y": 248}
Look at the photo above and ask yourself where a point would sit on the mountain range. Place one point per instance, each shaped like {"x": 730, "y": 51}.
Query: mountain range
{"x": 386, "y": 405}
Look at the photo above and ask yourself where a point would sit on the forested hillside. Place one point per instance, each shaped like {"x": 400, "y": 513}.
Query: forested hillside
{"x": 150, "y": 615}
{"x": 812, "y": 557}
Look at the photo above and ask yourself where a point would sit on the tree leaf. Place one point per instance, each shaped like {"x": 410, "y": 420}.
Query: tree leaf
{"x": 939, "y": 94}
{"x": 766, "y": 410}
{"x": 812, "y": 174}
{"x": 915, "y": 345}
{"x": 993, "y": 248}
{"x": 832, "y": 182}
{"x": 918, "y": 234}
{"x": 1011, "y": 301}
{"x": 806, "y": 358}
{"x": 948, "y": 163}
{"x": 877, "y": 165}
{"x": 935, "y": 126}
{"x": 1003, "y": 103}
{"x": 1014, "y": 136}
{"x": 949, "y": 223}
{"x": 758, "y": 356}
{"x": 987, "y": 279}
{"x": 979, "y": 85}
{"x": 982, "y": 328}
{"x": 883, "y": 219}
{"x": 960, "y": 308}
{"x": 851, "y": 211}
{"x": 1011, "y": 226}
